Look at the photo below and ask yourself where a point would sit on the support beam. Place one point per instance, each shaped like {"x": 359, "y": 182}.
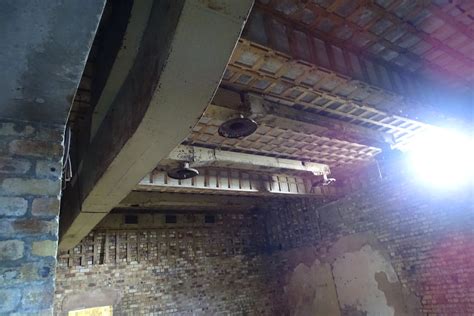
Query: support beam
{"x": 200, "y": 156}
{"x": 159, "y": 200}
{"x": 239, "y": 182}
{"x": 174, "y": 77}
{"x": 123, "y": 61}
{"x": 227, "y": 104}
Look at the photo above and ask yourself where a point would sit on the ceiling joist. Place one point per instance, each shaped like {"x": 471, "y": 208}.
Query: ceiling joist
{"x": 226, "y": 105}
{"x": 208, "y": 157}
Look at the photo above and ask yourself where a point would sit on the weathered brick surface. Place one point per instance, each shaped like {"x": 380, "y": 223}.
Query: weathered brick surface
{"x": 18, "y": 129}
{"x": 13, "y": 206}
{"x": 21, "y": 186}
{"x": 37, "y": 148}
{"x": 29, "y": 191}
{"x": 11, "y": 249}
{"x": 10, "y": 299}
{"x": 178, "y": 269}
{"x": 428, "y": 234}
{"x": 28, "y": 273}
{"x": 45, "y": 207}
{"x": 27, "y": 226}
{"x": 48, "y": 169}
{"x": 38, "y": 297}
{"x": 14, "y": 166}
{"x": 44, "y": 248}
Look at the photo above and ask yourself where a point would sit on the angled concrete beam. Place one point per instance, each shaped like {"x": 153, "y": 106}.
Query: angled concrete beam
{"x": 200, "y": 156}
{"x": 227, "y": 104}
{"x": 174, "y": 77}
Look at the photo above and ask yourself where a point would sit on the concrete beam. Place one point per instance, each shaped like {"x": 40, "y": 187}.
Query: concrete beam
{"x": 43, "y": 52}
{"x": 227, "y": 104}
{"x": 159, "y": 200}
{"x": 174, "y": 77}
{"x": 239, "y": 182}
{"x": 126, "y": 55}
{"x": 200, "y": 156}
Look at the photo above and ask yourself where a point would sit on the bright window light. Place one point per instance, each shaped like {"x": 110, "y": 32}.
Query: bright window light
{"x": 442, "y": 158}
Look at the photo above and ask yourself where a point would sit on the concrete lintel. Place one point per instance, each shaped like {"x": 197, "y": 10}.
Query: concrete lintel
{"x": 200, "y": 156}
{"x": 172, "y": 81}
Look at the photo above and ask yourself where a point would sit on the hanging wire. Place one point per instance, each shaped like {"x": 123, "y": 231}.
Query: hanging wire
{"x": 67, "y": 166}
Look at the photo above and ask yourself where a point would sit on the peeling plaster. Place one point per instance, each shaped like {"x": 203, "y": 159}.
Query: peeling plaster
{"x": 354, "y": 275}
{"x": 398, "y": 297}
{"x": 311, "y": 290}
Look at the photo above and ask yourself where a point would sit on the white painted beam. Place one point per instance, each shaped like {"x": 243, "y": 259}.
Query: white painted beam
{"x": 200, "y": 156}
{"x": 237, "y": 182}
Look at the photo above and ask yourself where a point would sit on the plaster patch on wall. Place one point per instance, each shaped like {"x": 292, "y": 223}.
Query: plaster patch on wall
{"x": 400, "y": 298}
{"x": 311, "y": 290}
{"x": 354, "y": 276}
{"x": 352, "y": 243}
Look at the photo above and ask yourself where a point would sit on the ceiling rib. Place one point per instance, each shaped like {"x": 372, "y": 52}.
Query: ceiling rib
{"x": 317, "y": 90}
{"x": 398, "y": 23}
{"x": 293, "y": 22}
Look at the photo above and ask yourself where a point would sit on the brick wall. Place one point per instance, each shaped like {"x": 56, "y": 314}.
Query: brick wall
{"x": 30, "y": 171}
{"x": 422, "y": 240}
{"x": 182, "y": 268}
{"x": 427, "y": 235}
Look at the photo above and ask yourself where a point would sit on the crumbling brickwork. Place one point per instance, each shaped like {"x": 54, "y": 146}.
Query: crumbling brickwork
{"x": 30, "y": 172}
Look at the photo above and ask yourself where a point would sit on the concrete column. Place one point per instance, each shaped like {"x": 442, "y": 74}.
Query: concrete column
{"x": 43, "y": 51}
